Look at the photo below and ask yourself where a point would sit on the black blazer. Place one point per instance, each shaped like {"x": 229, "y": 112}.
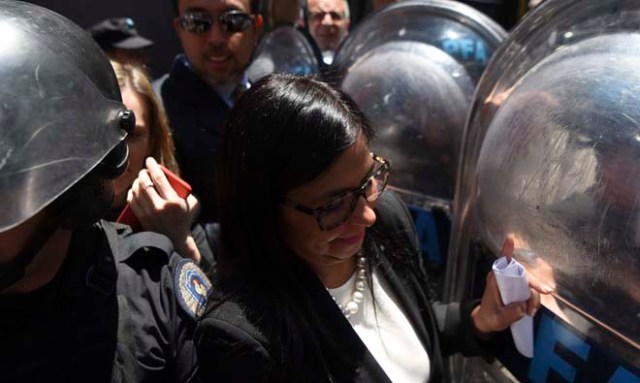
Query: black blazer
{"x": 196, "y": 115}
{"x": 237, "y": 343}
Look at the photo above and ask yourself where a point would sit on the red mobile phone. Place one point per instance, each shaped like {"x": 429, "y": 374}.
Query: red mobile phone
{"x": 182, "y": 188}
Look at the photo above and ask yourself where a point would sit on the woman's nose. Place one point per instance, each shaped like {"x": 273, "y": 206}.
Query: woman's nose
{"x": 363, "y": 214}
{"x": 216, "y": 34}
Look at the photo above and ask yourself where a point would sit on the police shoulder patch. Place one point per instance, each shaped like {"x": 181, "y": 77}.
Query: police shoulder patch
{"x": 192, "y": 287}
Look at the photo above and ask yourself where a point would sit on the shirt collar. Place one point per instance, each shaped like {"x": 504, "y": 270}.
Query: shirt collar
{"x": 225, "y": 90}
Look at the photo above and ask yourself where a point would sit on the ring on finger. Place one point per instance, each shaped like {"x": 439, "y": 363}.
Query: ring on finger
{"x": 186, "y": 204}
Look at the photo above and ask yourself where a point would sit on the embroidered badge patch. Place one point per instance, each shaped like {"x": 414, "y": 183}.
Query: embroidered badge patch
{"x": 192, "y": 287}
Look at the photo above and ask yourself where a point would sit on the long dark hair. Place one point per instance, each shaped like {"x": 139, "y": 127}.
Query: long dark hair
{"x": 282, "y": 133}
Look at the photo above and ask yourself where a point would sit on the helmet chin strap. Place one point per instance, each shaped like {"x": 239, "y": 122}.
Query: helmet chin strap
{"x": 14, "y": 270}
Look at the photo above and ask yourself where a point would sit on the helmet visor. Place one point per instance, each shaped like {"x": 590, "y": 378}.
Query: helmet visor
{"x": 55, "y": 124}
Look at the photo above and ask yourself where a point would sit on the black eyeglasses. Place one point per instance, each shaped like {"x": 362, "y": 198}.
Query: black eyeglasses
{"x": 199, "y": 22}
{"x": 342, "y": 206}
{"x": 319, "y": 16}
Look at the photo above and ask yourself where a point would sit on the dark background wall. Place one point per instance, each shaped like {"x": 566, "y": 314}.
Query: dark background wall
{"x": 153, "y": 19}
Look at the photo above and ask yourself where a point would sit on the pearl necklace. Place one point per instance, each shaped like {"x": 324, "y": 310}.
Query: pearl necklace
{"x": 352, "y": 307}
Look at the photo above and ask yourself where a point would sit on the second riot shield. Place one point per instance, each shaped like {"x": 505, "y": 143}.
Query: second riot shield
{"x": 552, "y": 160}
{"x": 283, "y": 50}
{"x": 412, "y": 69}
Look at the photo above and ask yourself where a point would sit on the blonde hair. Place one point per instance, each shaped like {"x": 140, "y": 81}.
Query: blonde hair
{"x": 136, "y": 78}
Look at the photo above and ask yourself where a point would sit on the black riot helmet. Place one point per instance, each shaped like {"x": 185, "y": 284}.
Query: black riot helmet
{"x": 62, "y": 121}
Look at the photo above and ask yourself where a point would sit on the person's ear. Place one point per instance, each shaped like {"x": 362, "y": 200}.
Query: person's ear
{"x": 258, "y": 23}
{"x": 176, "y": 25}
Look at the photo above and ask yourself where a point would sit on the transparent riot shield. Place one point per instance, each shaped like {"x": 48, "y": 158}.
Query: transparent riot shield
{"x": 412, "y": 69}
{"x": 462, "y": 32}
{"x": 283, "y": 50}
{"x": 552, "y": 159}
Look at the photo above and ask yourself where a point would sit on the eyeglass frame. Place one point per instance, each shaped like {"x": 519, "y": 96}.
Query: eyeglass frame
{"x": 357, "y": 192}
{"x": 185, "y": 18}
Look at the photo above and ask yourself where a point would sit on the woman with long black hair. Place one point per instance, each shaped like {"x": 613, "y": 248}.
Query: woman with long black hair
{"x": 319, "y": 277}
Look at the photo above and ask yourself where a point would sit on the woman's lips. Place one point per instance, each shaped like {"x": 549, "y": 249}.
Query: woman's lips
{"x": 351, "y": 239}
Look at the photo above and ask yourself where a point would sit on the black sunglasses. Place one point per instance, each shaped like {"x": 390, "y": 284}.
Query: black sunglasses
{"x": 199, "y": 22}
{"x": 342, "y": 206}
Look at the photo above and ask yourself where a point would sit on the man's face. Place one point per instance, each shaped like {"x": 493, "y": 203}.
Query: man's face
{"x": 328, "y": 23}
{"x": 620, "y": 176}
{"x": 218, "y": 56}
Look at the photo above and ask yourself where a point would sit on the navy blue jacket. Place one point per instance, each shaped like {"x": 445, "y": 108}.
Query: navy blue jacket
{"x": 109, "y": 315}
{"x": 196, "y": 116}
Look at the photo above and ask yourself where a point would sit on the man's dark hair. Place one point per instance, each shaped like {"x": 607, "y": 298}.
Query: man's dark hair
{"x": 255, "y": 7}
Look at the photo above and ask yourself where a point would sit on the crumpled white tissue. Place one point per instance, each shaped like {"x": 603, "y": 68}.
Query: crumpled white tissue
{"x": 514, "y": 287}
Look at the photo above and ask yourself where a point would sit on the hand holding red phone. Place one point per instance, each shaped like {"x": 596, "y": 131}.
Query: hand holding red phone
{"x": 161, "y": 207}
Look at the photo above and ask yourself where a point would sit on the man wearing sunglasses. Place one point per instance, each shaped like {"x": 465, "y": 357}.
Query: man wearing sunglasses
{"x": 218, "y": 38}
{"x": 328, "y": 24}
